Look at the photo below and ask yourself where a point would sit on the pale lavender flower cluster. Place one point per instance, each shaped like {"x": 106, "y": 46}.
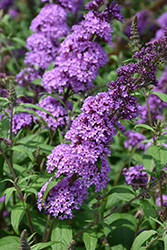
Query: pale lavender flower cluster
{"x": 79, "y": 57}
{"x": 63, "y": 198}
{"x": 158, "y": 200}
{"x": 27, "y": 75}
{"x": 134, "y": 138}
{"x": 68, "y": 5}
{"x": 6, "y": 4}
{"x": 51, "y": 21}
{"x": 135, "y": 176}
{"x": 21, "y": 120}
{"x": 156, "y": 105}
{"x": 43, "y": 50}
{"x": 49, "y": 25}
{"x": 55, "y": 107}
{"x": 162, "y": 20}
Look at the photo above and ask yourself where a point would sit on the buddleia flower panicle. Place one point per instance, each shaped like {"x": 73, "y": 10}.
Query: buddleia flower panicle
{"x": 63, "y": 198}
{"x": 80, "y": 56}
{"x": 91, "y": 133}
{"x": 68, "y": 5}
{"x": 56, "y": 108}
{"x": 134, "y": 138}
{"x": 135, "y": 176}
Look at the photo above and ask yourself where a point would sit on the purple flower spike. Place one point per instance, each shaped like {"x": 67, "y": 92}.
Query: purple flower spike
{"x": 134, "y": 138}
{"x": 135, "y": 176}
{"x": 63, "y": 198}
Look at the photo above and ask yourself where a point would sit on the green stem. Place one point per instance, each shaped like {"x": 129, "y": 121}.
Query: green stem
{"x": 49, "y": 231}
{"x": 160, "y": 191}
{"x": 119, "y": 173}
{"x": 11, "y": 135}
{"x": 46, "y": 226}
{"x": 66, "y": 95}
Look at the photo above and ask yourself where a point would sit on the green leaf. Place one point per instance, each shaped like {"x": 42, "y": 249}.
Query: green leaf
{"x": 61, "y": 232}
{"x": 90, "y": 239}
{"x": 159, "y": 155}
{"x": 144, "y": 126}
{"x": 17, "y": 214}
{"x": 4, "y": 128}
{"x": 50, "y": 185}
{"x": 141, "y": 238}
{"x": 162, "y": 96}
{"x": 134, "y": 149}
{"x": 165, "y": 242}
{"x": 42, "y": 245}
{"x": 9, "y": 242}
{"x": 118, "y": 219}
{"x": 121, "y": 192}
{"x": 120, "y": 238}
{"x": 149, "y": 210}
{"x": 26, "y": 178}
{"x": 60, "y": 136}
{"x": 51, "y": 66}
{"x": 30, "y": 191}
{"x": 37, "y": 107}
{"x": 24, "y": 150}
{"x": 19, "y": 41}
{"x": 9, "y": 192}
{"x": 37, "y": 81}
{"x": 4, "y": 99}
{"x": 30, "y": 111}
{"x": 37, "y": 222}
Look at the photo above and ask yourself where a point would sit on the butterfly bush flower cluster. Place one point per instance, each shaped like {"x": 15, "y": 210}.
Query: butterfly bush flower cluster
{"x": 6, "y": 4}
{"x": 63, "y": 197}
{"x": 69, "y": 6}
{"x": 158, "y": 200}
{"x": 49, "y": 25}
{"x": 91, "y": 133}
{"x": 135, "y": 176}
{"x": 55, "y": 107}
{"x": 134, "y": 138}
{"x": 156, "y": 105}
{"x": 162, "y": 21}
{"x": 80, "y": 56}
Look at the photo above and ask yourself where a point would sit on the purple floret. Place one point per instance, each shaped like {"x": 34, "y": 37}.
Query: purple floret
{"x": 69, "y": 5}
{"x": 43, "y": 50}
{"x": 63, "y": 198}
{"x": 27, "y": 75}
{"x": 158, "y": 200}
{"x": 135, "y": 176}
{"x": 134, "y": 138}
{"x": 55, "y": 107}
{"x": 51, "y": 21}
{"x": 5, "y": 4}
{"x": 21, "y": 120}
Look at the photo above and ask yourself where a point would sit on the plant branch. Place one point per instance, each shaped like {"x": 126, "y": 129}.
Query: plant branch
{"x": 49, "y": 231}
{"x": 117, "y": 209}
